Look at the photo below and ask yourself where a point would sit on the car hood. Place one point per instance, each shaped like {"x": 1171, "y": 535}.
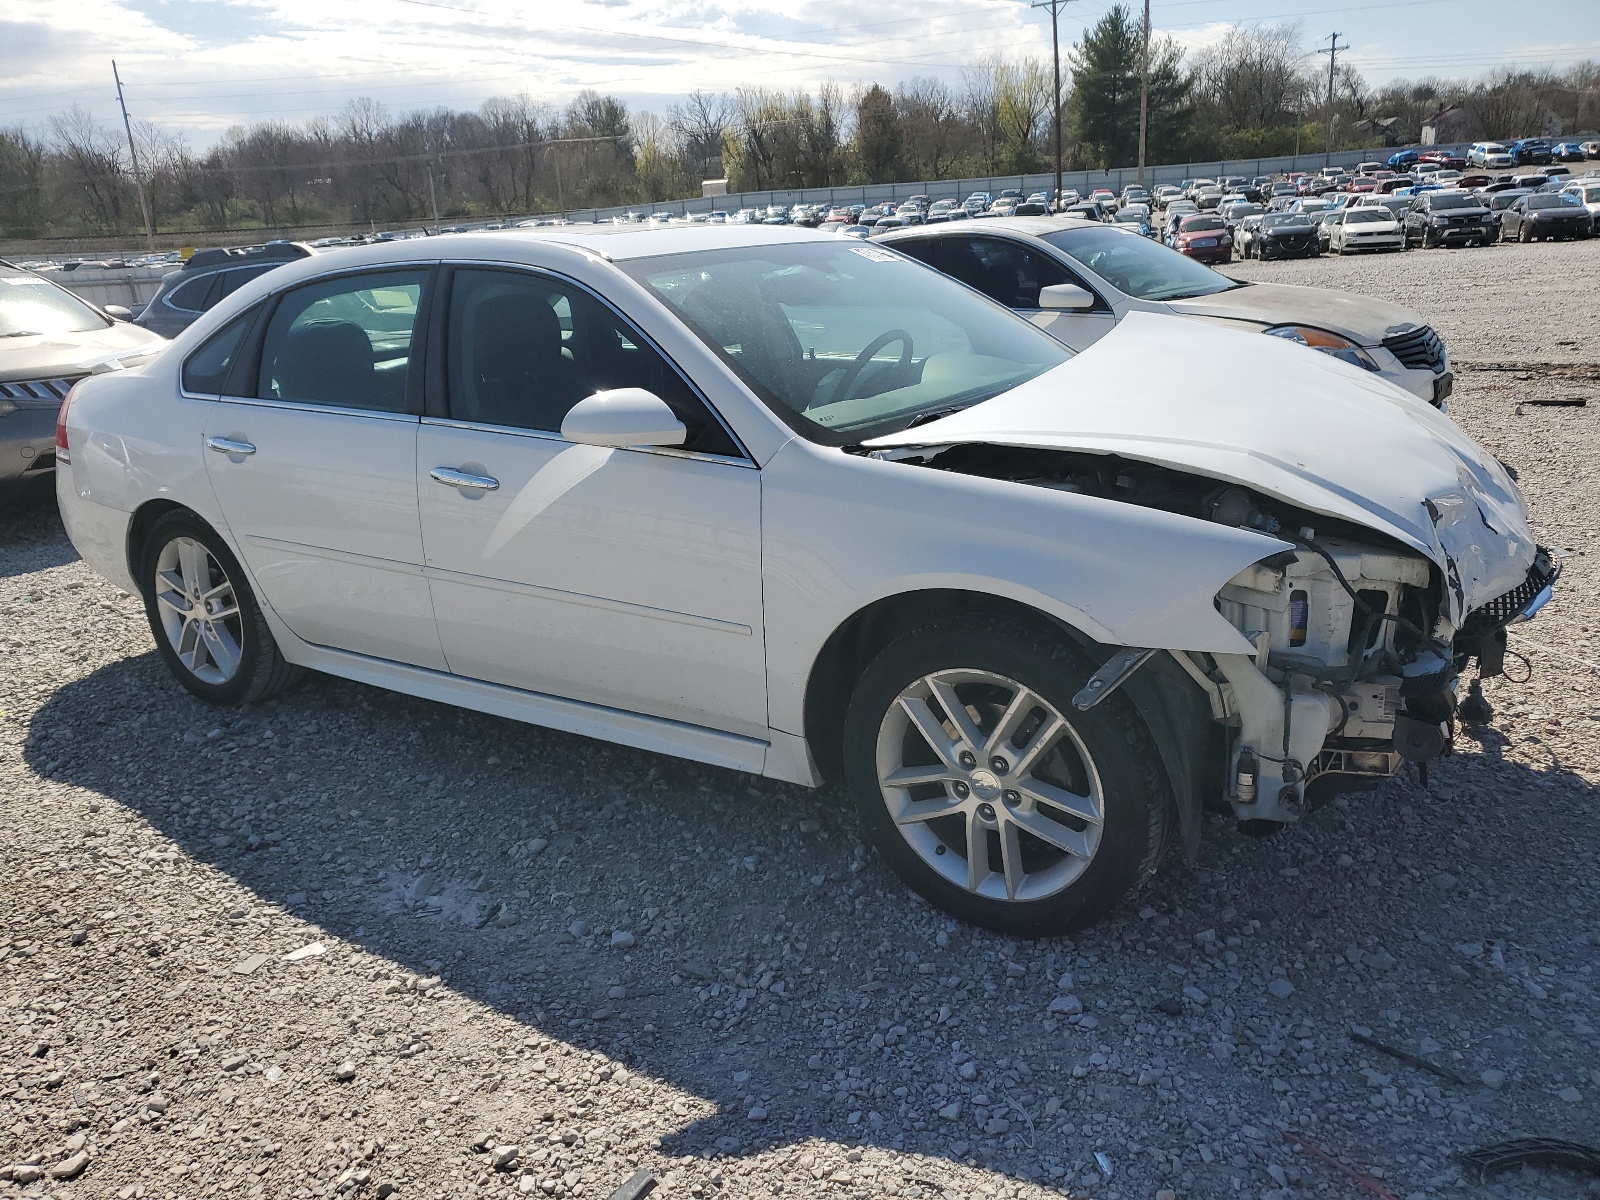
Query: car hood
{"x": 60, "y": 356}
{"x": 1360, "y": 318}
{"x": 1264, "y": 413}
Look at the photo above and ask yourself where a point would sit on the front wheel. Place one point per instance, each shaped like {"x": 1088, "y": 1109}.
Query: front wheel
{"x": 988, "y": 793}
{"x": 207, "y": 625}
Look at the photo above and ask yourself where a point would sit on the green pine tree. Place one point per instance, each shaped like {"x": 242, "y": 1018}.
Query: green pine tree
{"x": 1104, "y": 109}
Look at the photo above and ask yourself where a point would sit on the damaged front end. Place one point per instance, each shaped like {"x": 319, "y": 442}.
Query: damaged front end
{"x": 1362, "y": 663}
{"x": 1359, "y": 640}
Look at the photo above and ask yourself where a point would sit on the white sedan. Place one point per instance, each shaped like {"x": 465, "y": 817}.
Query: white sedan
{"x": 1367, "y": 228}
{"x": 803, "y": 507}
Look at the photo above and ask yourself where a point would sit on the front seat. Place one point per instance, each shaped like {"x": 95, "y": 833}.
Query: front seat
{"x": 520, "y": 374}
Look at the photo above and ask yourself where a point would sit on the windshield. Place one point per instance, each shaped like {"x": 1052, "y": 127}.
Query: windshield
{"x": 848, "y": 342}
{"x": 1439, "y": 203}
{"x": 1357, "y": 216}
{"x": 1192, "y": 224}
{"x": 1137, "y": 266}
{"x": 1279, "y": 220}
{"x": 1551, "y": 201}
{"x": 29, "y": 305}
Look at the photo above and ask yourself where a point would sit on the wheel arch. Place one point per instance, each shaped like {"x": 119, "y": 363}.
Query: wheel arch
{"x": 142, "y": 522}
{"x": 1174, "y": 708}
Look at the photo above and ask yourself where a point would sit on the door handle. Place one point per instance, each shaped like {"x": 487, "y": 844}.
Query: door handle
{"x": 451, "y": 477}
{"x": 224, "y": 445}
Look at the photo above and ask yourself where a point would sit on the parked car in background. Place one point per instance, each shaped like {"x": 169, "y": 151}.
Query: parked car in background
{"x": 50, "y": 339}
{"x": 1546, "y": 216}
{"x": 1448, "y": 219}
{"x": 1285, "y": 235}
{"x": 1531, "y": 150}
{"x": 1236, "y": 212}
{"x": 1372, "y": 228}
{"x": 1568, "y": 152}
{"x": 1246, "y": 233}
{"x": 1135, "y": 216}
{"x": 1586, "y": 193}
{"x": 1498, "y": 202}
{"x": 208, "y": 277}
{"x": 1113, "y": 272}
{"x": 1492, "y": 156}
{"x": 1204, "y": 238}
{"x": 1207, "y": 196}
{"x": 1401, "y": 159}
{"x": 1322, "y": 220}
{"x": 1135, "y": 194}
{"x": 1036, "y": 205}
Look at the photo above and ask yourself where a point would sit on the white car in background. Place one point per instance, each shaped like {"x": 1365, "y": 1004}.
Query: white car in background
{"x": 1492, "y": 155}
{"x": 800, "y": 506}
{"x": 1587, "y": 193}
{"x": 1367, "y": 228}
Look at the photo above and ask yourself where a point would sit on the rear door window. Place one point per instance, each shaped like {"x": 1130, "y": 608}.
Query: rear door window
{"x": 208, "y": 369}
{"x": 193, "y": 295}
{"x": 345, "y": 342}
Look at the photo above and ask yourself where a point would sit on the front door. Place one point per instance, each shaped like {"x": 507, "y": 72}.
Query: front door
{"x": 627, "y": 578}
{"x": 315, "y": 469}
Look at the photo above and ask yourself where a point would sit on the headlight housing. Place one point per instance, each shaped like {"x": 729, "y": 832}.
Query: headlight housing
{"x": 1340, "y": 347}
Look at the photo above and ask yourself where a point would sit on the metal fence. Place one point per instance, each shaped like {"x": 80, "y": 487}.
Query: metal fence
{"x": 959, "y": 189}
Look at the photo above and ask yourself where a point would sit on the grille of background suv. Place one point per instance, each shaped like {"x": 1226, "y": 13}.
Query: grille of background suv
{"x": 37, "y": 389}
{"x": 1417, "y": 348}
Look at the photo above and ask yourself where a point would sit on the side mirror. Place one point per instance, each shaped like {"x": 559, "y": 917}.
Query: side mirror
{"x": 1068, "y": 296}
{"x": 623, "y": 417}
{"x": 118, "y": 312}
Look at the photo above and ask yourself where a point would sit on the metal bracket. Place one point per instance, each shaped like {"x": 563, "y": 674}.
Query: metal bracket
{"x": 1113, "y": 674}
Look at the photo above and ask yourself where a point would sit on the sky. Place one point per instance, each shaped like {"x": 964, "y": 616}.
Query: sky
{"x": 200, "y": 66}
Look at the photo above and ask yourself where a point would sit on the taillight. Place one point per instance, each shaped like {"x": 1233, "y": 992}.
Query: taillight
{"x": 63, "y": 454}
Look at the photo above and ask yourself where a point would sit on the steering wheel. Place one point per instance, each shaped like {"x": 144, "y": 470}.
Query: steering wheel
{"x": 847, "y": 381}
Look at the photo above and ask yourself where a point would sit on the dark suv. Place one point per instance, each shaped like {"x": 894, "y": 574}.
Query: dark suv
{"x": 206, "y": 278}
{"x": 1448, "y": 218}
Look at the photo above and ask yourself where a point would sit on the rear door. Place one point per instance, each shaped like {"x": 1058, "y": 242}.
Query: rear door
{"x": 314, "y": 465}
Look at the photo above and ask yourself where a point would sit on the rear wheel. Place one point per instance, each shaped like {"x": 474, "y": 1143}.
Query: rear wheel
{"x": 988, "y": 793}
{"x": 207, "y": 625}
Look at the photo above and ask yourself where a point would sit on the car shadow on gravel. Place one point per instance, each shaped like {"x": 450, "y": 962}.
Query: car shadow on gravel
{"x": 30, "y": 528}
{"x": 727, "y": 934}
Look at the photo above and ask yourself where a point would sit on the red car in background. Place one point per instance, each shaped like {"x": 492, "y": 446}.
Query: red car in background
{"x": 1362, "y": 183}
{"x": 1444, "y": 159}
{"x": 1204, "y": 238}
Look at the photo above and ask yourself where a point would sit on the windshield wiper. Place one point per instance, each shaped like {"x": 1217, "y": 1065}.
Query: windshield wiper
{"x": 937, "y": 414}
{"x": 23, "y": 333}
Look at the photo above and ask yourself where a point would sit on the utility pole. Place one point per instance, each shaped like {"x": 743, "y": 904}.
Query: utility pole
{"x": 133, "y": 156}
{"x": 1144, "y": 89}
{"x": 1333, "y": 54}
{"x": 433, "y": 199}
{"x": 1055, "y": 41}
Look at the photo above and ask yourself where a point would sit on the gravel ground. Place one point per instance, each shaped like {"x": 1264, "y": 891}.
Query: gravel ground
{"x": 353, "y": 943}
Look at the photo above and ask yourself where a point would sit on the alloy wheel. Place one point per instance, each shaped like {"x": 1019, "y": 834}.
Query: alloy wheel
{"x": 198, "y": 610}
{"x": 990, "y": 785}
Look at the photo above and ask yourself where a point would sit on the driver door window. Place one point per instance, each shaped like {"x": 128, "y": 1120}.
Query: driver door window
{"x": 522, "y": 349}
{"x": 1003, "y": 270}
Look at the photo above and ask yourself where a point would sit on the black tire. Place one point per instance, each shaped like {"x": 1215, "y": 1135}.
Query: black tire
{"x": 1110, "y": 743}
{"x": 261, "y": 669}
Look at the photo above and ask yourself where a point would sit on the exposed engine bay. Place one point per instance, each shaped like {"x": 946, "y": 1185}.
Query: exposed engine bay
{"x": 1357, "y": 663}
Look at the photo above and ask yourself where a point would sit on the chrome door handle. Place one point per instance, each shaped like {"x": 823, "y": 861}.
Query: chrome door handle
{"x": 451, "y": 477}
{"x": 224, "y": 445}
